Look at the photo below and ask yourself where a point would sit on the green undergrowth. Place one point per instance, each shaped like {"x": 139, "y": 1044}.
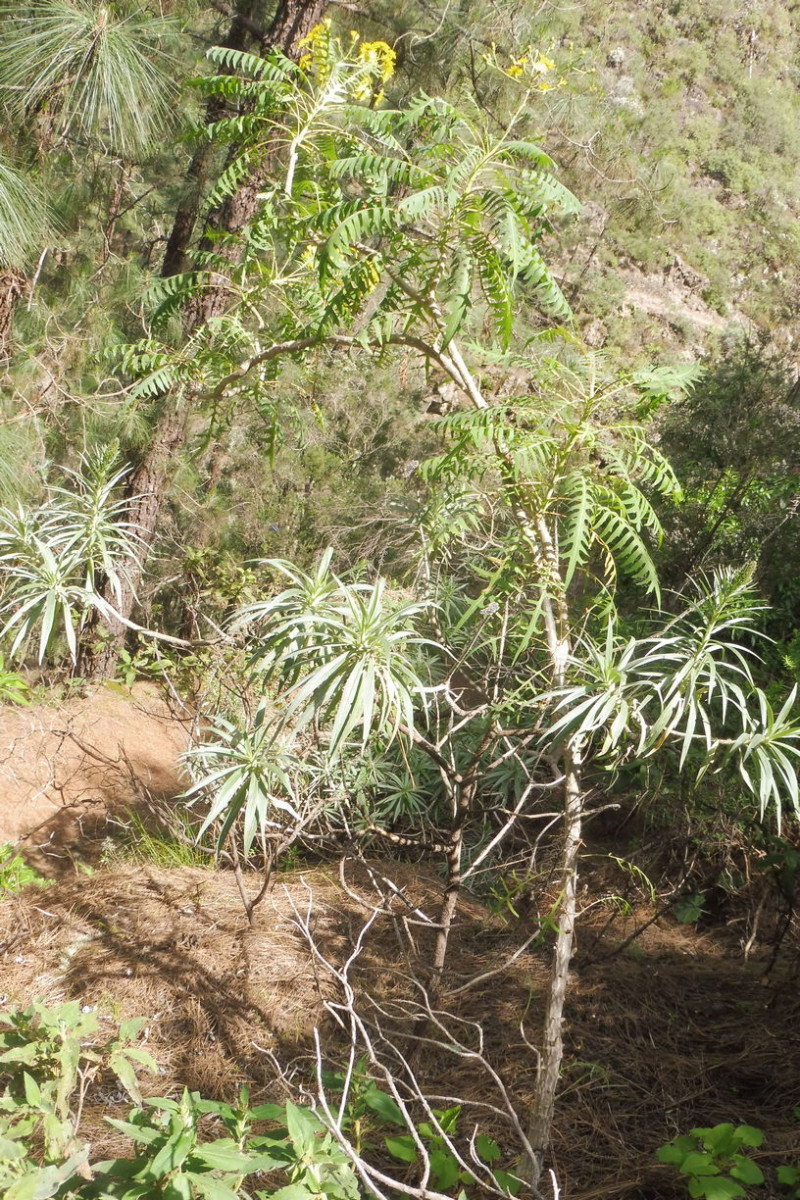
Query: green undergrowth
{"x": 186, "y": 1147}
{"x": 158, "y": 845}
{"x": 15, "y": 874}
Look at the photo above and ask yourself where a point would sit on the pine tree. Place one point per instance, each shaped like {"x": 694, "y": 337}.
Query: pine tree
{"x": 149, "y": 481}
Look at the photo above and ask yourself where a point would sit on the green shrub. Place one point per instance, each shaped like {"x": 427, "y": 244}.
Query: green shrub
{"x": 713, "y": 1162}
{"x": 15, "y": 873}
{"x": 732, "y": 171}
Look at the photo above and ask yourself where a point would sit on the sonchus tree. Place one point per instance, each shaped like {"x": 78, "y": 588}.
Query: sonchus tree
{"x": 416, "y": 232}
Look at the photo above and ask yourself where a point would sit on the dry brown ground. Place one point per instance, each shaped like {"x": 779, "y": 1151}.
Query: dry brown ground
{"x": 674, "y": 1030}
{"x": 65, "y": 769}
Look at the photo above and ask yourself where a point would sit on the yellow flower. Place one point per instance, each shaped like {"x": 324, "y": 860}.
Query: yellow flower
{"x": 542, "y": 65}
{"x": 528, "y": 65}
{"x": 377, "y": 60}
{"x": 318, "y": 44}
{"x": 380, "y": 57}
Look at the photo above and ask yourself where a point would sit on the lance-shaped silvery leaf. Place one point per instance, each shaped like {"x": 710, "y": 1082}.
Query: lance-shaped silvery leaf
{"x": 243, "y": 771}
{"x": 344, "y": 652}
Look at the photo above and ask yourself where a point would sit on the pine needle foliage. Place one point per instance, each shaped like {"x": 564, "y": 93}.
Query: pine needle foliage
{"x": 19, "y": 448}
{"x": 23, "y": 217}
{"x": 98, "y": 72}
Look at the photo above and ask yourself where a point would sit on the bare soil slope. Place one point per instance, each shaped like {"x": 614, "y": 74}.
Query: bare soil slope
{"x": 66, "y": 769}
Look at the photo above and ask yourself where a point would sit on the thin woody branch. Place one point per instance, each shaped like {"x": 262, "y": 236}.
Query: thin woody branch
{"x": 339, "y": 341}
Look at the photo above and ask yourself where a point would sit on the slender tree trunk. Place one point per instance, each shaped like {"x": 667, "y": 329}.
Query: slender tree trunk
{"x": 462, "y": 800}
{"x": 557, "y": 630}
{"x": 540, "y": 1118}
{"x": 544, "y": 554}
{"x": 461, "y": 790}
{"x": 114, "y": 206}
{"x": 148, "y": 484}
{"x": 461, "y": 796}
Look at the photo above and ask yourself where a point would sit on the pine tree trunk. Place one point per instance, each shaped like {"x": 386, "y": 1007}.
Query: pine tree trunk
{"x": 292, "y": 22}
{"x": 12, "y": 286}
{"x": 240, "y": 36}
{"x": 149, "y": 483}
{"x": 97, "y": 652}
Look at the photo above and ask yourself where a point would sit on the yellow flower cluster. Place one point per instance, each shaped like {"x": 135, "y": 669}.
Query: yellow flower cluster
{"x": 372, "y": 62}
{"x": 380, "y": 57}
{"x": 535, "y": 68}
{"x": 378, "y": 60}
{"x": 318, "y": 47}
